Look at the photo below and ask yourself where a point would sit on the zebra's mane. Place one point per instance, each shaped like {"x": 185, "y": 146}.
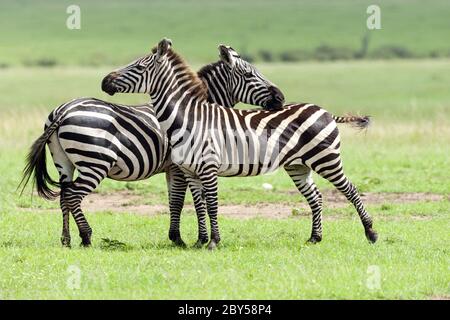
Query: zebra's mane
{"x": 197, "y": 87}
{"x": 208, "y": 68}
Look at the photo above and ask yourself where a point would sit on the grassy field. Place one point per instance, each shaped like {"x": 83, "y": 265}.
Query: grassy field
{"x": 405, "y": 151}
{"x": 259, "y": 259}
{"x": 117, "y": 31}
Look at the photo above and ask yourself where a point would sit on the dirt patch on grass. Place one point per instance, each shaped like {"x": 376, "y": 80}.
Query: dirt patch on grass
{"x": 121, "y": 201}
{"x": 128, "y": 202}
{"x": 125, "y": 201}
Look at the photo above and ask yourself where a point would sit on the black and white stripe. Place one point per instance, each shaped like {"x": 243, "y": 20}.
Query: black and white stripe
{"x": 208, "y": 141}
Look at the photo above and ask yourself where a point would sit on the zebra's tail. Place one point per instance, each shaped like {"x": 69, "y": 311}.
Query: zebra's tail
{"x": 360, "y": 122}
{"x": 36, "y": 165}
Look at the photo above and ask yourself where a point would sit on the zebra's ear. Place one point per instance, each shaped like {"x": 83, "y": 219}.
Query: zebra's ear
{"x": 226, "y": 54}
{"x": 163, "y": 46}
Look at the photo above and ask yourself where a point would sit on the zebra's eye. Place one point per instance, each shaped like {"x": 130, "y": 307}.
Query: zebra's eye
{"x": 248, "y": 74}
{"x": 140, "y": 67}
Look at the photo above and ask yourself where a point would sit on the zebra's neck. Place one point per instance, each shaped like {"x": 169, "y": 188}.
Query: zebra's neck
{"x": 176, "y": 91}
{"x": 216, "y": 77}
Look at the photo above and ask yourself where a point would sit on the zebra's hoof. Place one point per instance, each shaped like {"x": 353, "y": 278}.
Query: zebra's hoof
{"x": 314, "y": 240}
{"x": 371, "y": 235}
{"x": 179, "y": 243}
{"x": 86, "y": 239}
{"x": 85, "y": 243}
{"x": 199, "y": 244}
{"x": 65, "y": 242}
{"x": 212, "y": 245}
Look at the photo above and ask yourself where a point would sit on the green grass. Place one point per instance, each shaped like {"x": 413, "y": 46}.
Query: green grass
{"x": 117, "y": 31}
{"x": 258, "y": 259}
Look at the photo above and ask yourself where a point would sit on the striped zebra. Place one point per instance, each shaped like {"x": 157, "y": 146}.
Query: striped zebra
{"x": 208, "y": 141}
{"x": 125, "y": 143}
{"x": 228, "y": 81}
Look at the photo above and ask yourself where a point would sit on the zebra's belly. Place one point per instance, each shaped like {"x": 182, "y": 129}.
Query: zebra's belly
{"x": 115, "y": 159}
{"x": 250, "y": 160}
{"x": 121, "y": 171}
{"x": 116, "y": 174}
{"x": 245, "y": 170}
{"x": 236, "y": 164}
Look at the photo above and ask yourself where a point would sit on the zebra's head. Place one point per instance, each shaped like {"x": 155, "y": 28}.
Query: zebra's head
{"x": 139, "y": 75}
{"x": 247, "y": 84}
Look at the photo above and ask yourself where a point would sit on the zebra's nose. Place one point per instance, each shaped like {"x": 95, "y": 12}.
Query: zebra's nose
{"x": 276, "y": 94}
{"x": 107, "y": 83}
{"x": 277, "y": 99}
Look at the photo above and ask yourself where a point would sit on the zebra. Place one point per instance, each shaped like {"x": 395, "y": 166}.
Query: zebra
{"x": 227, "y": 82}
{"x": 208, "y": 140}
{"x": 125, "y": 143}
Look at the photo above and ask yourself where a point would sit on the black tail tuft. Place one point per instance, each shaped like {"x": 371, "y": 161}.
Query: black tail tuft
{"x": 360, "y": 122}
{"x": 36, "y": 164}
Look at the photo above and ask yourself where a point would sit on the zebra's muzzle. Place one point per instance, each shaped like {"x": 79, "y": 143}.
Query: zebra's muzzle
{"x": 277, "y": 99}
{"x": 108, "y": 85}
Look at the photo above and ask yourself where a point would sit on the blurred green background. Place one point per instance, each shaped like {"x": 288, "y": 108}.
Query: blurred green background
{"x": 113, "y": 32}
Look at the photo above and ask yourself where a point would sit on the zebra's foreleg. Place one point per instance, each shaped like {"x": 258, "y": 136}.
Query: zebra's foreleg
{"x": 200, "y": 208}
{"x": 177, "y": 186}
{"x": 301, "y": 176}
{"x": 209, "y": 183}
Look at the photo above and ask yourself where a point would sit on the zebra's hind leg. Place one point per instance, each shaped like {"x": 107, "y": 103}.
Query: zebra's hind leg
{"x": 74, "y": 193}
{"x": 64, "y": 182}
{"x": 176, "y": 185}
{"x": 301, "y": 175}
{"x": 334, "y": 173}
{"x": 65, "y": 169}
{"x": 200, "y": 209}
{"x": 65, "y": 236}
